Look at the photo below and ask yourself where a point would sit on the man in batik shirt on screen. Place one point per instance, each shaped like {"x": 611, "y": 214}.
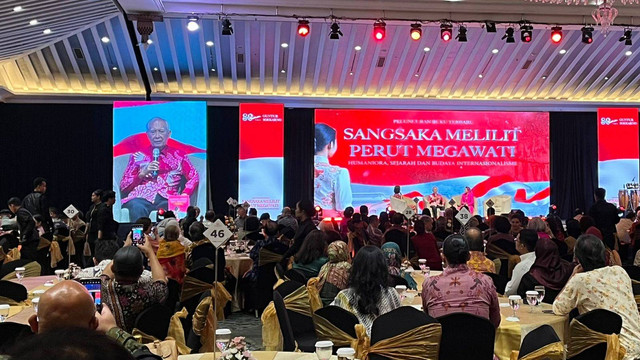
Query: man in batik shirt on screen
{"x": 155, "y": 173}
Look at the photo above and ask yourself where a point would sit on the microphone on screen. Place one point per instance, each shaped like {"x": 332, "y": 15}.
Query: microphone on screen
{"x": 156, "y": 155}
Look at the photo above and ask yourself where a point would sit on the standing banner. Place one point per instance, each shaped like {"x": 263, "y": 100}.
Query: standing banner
{"x": 261, "y": 167}
{"x": 618, "y": 155}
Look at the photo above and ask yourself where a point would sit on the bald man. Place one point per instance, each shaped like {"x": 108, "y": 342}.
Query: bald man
{"x": 477, "y": 260}
{"x": 69, "y": 304}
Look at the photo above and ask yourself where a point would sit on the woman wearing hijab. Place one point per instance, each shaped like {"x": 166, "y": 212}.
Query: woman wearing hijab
{"x": 611, "y": 256}
{"x": 393, "y": 256}
{"x": 549, "y": 270}
{"x": 334, "y": 275}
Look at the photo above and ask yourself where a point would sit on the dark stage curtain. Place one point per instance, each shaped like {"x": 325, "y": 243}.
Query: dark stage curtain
{"x": 574, "y": 160}
{"x": 68, "y": 144}
{"x": 299, "y": 136}
{"x": 222, "y": 155}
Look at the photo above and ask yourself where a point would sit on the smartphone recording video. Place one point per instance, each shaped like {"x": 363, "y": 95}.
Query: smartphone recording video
{"x": 137, "y": 236}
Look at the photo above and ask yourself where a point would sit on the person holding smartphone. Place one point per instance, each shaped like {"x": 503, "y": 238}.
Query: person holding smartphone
{"x": 123, "y": 289}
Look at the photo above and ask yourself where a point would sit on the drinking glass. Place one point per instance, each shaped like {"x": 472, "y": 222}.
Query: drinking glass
{"x": 35, "y": 303}
{"x": 20, "y": 273}
{"x": 346, "y": 353}
{"x": 4, "y": 312}
{"x": 324, "y": 350}
{"x": 540, "y": 290}
{"x": 514, "y": 302}
{"x": 59, "y": 275}
{"x": 532, "y": 299}
{"x": 401, "y": 289}
{"x": 423, "y": 263}
{"x": 223, "y": 336}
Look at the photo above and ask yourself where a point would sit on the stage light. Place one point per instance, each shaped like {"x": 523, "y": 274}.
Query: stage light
{"x": 587, "y": 35}
{"x": 556, "y": 34}
{"x": 335, "y": 31}
{"x": 627, "y": 37}
{"x": 526, "y": 33}
{"x": 462, "y": 34}
{"x": 227, "y": 28}
{"x": 508, "y": 35}
{"x": 193, "y": 25}
{"x": 379, "y": 30}
{"x": 416, "y": 31}
{"x": 303, "y": 28}
{"x": 490, "y": 26}
{"x": 445, "y": 32}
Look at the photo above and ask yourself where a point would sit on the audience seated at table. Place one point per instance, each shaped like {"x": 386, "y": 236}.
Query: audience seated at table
{"x": 548, "y": 269}
{"x": 398, "y": 234}
{"x": 573, "y": 233}
{"x": 312, "y": 254}
{"x": 357, "y": 236}
{"x": 374, "y": 234}
{"x": 171, "y": 254}
{"x": 125, "y": 291}
{"x": 477, "y": 261}
{"x": 334, "y": 275}
{"x": 368, "y": 295}
{"x": 458, "y": 288}
{"x": 103, "y": 255}
{"x": 518, "y": 222}
{"x": 594, "y": 285}
{"x": 526, "y": 245}
{"x": 186, "y": 222}
{"x": 611, "y": 256}
{"x": 68, "y": 304}
{"x": 425, "y": 243}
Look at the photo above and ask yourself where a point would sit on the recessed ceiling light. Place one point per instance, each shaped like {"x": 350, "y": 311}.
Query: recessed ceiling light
{"x": 105, "y": 39}
{"x": 193, "y": 25}
{"x": 149, "y": 41}
{"x": 209, "y": 43}
{"x": 282, "y": 71}
{"x": 427, "y": 49}
{"x": 358, "y": 48}
{"x": 284, "y": 45}
{"x": 18, "y": 8}
{"x": 114, "y": 68}
{"x": 33, "y": 22}
{"x": 46, "y": 31}
{"x": 155, "y": 69}
{"x": 214, "y": 70}
{"x": 416, "y": 75}
{"x": 563, "y": 51}
{"x": 480, "y": 76}
{"x": 495, "y": 51}
{"x": 606, "y": 78}
{"x": 351, "y": 73}
{"x": 544, "y": 77}
{"x": 628, "y": 53}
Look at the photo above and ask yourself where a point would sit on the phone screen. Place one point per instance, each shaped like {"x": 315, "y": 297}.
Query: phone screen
{"x": 94, "y": 287}
{"x": 136, "y": 235}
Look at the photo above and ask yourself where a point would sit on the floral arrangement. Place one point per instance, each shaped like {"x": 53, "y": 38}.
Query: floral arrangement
{"x": 237, "y": 350}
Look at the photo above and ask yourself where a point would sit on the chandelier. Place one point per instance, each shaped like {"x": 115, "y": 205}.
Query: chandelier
{"x": 603, "y": 15}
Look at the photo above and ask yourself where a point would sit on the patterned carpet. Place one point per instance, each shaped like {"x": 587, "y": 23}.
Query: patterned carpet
{"x": 247, "y": 325}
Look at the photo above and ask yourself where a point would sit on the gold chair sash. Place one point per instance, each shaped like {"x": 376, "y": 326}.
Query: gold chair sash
{"x": 499, "y": 253}
{"x": 326, "y": 330}
{"x": 192, "y": 287}
{"x": 43, "y": 243}
{"x": 14, "y": 254}
{"x": 583, "y": 338}
{"x": 56, "y": 254}
{"x": 553, "y": 351}
{"x": 71, "y": 248}
{"x": 314, "y": 294}
{"x": 297, "y": 301}
{"x": 30, "y": 270}
{"x": 205, "y": 324}
{"x": 176, "y": 331}
{"x": 150, "y": 339}
{"x": 420, "y": 343}
{"x": 266, "y": 256}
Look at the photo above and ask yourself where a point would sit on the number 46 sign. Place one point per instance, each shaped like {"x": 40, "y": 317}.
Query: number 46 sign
{"x": 218, "y": 233}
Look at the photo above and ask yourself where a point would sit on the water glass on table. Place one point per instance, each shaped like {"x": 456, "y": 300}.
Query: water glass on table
{"x": 426, "y": 271}
{"x": 541, "y": 292}
{"x": 401, "y": 289}
{"x": 59, "y": 275}
{"x": 346, "y": 354}
{"x": 223, "y": 337}
{"x": 35, "y": 302}
{"x": 514, "y": 303}
{"x": 324, "y": 350}
{"x": 20, "y": 273}
{"x": 4, "y": 312}
{"x": 532, "y": 299}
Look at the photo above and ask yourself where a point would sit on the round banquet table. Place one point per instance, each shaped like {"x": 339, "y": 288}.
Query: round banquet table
{"x": 20, "y": 313}
{"x": 238, "y": 265}
{"x": 509, "y": 334}
{"x": 260, "y": 355}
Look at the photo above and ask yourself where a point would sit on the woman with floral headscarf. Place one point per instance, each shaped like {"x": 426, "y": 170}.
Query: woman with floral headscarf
{"x": 334, "y": 275}
{"x": 393, "y": 256}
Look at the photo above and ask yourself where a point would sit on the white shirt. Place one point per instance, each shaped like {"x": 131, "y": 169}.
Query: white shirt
{"x": 96, "y": 271}
{"x": 521, "y": 268}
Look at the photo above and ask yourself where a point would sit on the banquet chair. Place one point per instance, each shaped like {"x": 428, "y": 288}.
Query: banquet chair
{"x": 261, "y": 293}
{"x": 478, "y": 333}
{"x": 598, "y": 322}
{"x": 154, "y": 321}
{"x": 298, "y": 326}
{"x": 499, "y": 281}
{"x": 633, "y": 271}
{"x": 303, "y": 328}
{"x": 295, "y": 275}
{"x": 279, "y": 271}
{"x": 404, "y": 324}
{"x": 174, "y": 294}
{"x": 541, "y": 343}
{"x": 32, "y": 268}
{"x": 528, "y": 282}
{"x": 288, "y": 343}
{"x": 336, "y": 324}
{"x": 13, "y": 291}
{"x": 10, "y": 333}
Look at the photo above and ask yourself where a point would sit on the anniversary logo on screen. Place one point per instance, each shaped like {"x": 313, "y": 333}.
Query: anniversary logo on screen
{"x": 492, "y": 153}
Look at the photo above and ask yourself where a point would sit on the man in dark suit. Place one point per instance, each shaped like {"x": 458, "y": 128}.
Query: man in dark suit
{"x": 606, "y": 217}
{"x": 29, "y": 237}
{"x": 107, "y": 227}
{"x": 36, "y": 203}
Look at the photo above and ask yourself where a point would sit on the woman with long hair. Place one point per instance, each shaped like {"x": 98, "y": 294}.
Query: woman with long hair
{"x": 332, "y": 184}
{"x": 368, "y": 295}
{"x": 312, "y": 254}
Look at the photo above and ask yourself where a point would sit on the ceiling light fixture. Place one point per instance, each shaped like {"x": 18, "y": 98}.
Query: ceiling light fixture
{"x": 416, "y": 31}
{"x": 427, "y": 49}
{"x": 357, "y": 48}
{"x": 628, "y": 53}
{"x": 18, "y": 8}
{"x": 526, "y": 33}
{"x": 105, "y": 39}
{"x": 193, "y": 25}
{"x": 627, "y": 37}
{"x": 149, "y": 41}
{"x": 379, "y": 30}
{"x": 227, "y": 28}
{"x": 556, "y": 34}
{"x": 495, "y": 51}
{"x": 462, "y": 34}
{"x": 587, "y": 34}
{"x": 209, "y": 43}
{"x": 335, "y": 31}
{"x": 33, "y": 22}
{"x": 490, "y": 26}
{"x": 303, "y": 28}
{"x": 46, "y": 31}
{"x": 445, "y": 32}
{"x": 284, "y": 45}
{"x": 508, "y": 35}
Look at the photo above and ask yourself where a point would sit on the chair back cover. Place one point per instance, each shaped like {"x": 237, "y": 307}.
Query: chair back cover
{"x": 12, "y": 291}
{"x": 336, "y": 324}
{"x": 583, "y": 339}
{"x": 479, "y": 335}
{"x": 541, "y": 343}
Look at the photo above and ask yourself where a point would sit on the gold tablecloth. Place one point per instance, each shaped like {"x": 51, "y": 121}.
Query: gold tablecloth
{"x": 259, "y": 355}
{"x": 238, "y": 265}
{"x": 21, "y": 314}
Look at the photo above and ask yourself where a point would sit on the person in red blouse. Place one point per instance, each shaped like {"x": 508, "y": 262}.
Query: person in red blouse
{"x": 155, "y": 173}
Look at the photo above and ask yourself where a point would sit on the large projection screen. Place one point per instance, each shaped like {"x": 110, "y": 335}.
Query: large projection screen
{"x": 159, "y": 158}
{"x": 360, "y": 155}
